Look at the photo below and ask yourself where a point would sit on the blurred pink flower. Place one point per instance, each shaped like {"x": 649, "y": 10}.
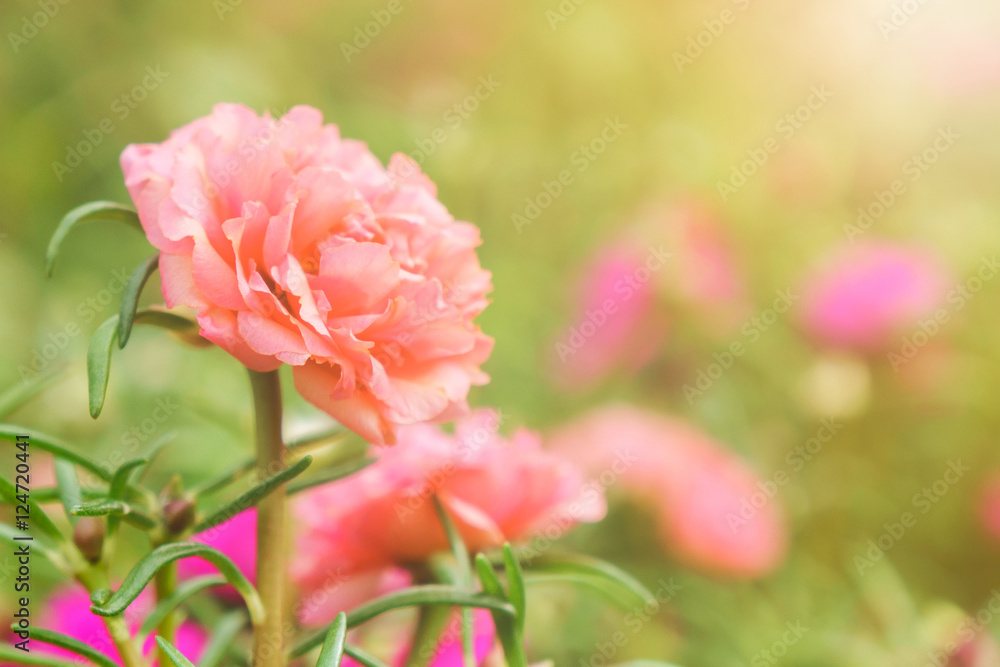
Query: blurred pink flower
{"x": 237, "y": 538}
{"x": 699, "y": 491}
{"x": 448, "y": 652}
{"x": 989, "y": 506}
{"x": 67, "y": 611}
{"x": 296, "y": 246}
{"x": 495, "y": 490}
{"x": 866, "y": 295}
{"x": 617, "y": 325}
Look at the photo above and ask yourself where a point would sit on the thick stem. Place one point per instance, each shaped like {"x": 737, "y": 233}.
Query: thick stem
{"x": 166, "y": 580}
{"x": 268, "y": 644}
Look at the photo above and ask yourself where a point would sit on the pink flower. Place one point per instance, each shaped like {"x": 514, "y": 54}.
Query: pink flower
{"x": 617, "y": 325}
{"x": 68, "y": 611}
{"x": 237, "y": 538}
{"x": 495, "y": 490}
{"x": 699, "y": 491}
{"x": 867, "y": 295}
{"x": 448, "y": 652}
{"x": 296, "y": 246}
{"x": 989, "y": 506}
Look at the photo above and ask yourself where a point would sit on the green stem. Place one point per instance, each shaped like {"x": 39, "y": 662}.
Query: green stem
{"x": 92, "y": 578}
{"x": 268, "y": 650}
{"x": 166, "y": 581}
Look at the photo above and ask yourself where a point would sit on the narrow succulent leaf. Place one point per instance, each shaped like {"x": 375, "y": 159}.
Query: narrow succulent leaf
{"x": 223, "y": 634}
{"x": 249, "y": 499}
{"x": 333, "y": 646}
{"x": 130, "y": 297}
{"x": 115, "y": 509}
{"x": 72, "y": 645}
{"x": 414, "y": 596}
{"x": 99, "y": 363}
{"x": 10, "y": 655}
{"x": 171, "y": 652}
{"x": 363, "y": 657}
{"x": 515, "y": 583}
{"x": 330, "y": 475}
{"x": 507, "y": 627}
{"x": 96, "y": 210}
{"x": 594, "y": 568}
{"x": 22, "y": 392}
{"x": 144, "y": 571}
{"x": 69, "y": 487}
{"x": 182, "y": 594}
{"x": 56, "y": 447}
{"x": 158, "y": 317}
{"x": 36, "y": 517}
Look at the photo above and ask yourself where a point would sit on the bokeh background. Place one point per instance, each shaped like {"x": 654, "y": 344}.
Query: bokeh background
{"x": 806, "y": 111}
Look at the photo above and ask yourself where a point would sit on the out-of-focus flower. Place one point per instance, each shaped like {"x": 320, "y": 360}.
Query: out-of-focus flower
{"x": 617, "y": 325}
{"x": 296, "y": 246}
{"x": 705, "y": 498}
{"x": 68, "y": 611}
{"x": 495, "y": 490}
{"x": 448, "y": 652}
{"x": 865, "y": 296}
{"x": 989, "y": 506}
{"x": 237, "y": 538}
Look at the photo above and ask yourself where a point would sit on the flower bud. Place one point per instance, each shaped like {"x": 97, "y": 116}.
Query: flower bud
{"x": 88, "y": 536}
{"x": 178, "y": 515}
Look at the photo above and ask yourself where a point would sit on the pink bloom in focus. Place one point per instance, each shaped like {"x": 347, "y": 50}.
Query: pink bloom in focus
{"x": 68, "y": 611}
{"x": 868, "y": 295}
{"x": 495, "y": 490}
{"x": 617, "y": 325}
{"x": 698, "y": 490}
{"x": 237, "y": 538}
{"x": 297, "y": 246}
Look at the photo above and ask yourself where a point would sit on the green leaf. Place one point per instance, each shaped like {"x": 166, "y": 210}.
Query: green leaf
{"x": 22, "y": 392}
{"x": 222, "y": 637}
{"x": 69, "y": 487}
{"x": 71, "y": 645}
{"x": 9, "y": 654}
{"x": 461, "y": 554}
{"x": 171, "y": 652}
{"x": 333, "y": 646}
{"x": 146, "y": 569}
{"x": 414, "y": 596}
{"x": 330, "y": 475}
{"x": 116, "y": 509}
{"x": 250, "y": 498}
{"x": 595, "y": 569}
{"x": 99, "y": 363}
{"x": 507, "y": 627}
{"x": 158, "y": 317}
{"x": 36, "y": 517}
{"x": 8, "y": 533}
{"x": 130, "y": 297}
{"x": 55, "y": 447}
{"x": 515, "y": 581}
{"x": 363, "y": 657}
{"x": 182, "y": 594}
{"x": 431, "y": 624}
{"x": 96, "y": 210}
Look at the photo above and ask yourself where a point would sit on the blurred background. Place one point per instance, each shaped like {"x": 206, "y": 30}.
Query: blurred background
{"x": 775, "y": 223}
